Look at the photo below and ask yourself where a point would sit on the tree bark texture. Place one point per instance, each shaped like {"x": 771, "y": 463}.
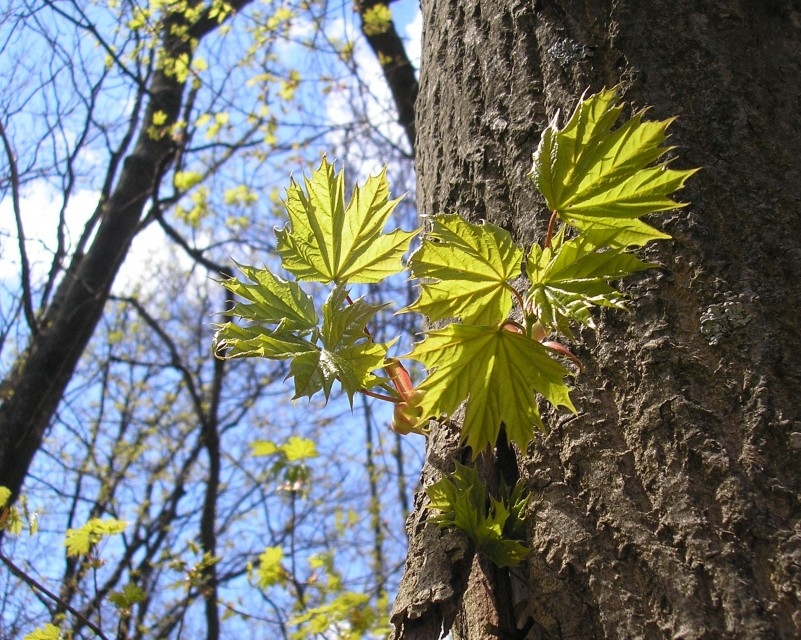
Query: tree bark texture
{"x": 669, "y": 506}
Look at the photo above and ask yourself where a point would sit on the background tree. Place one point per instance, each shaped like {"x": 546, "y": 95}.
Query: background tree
{"x": 164, "y": 132}
{"x": 669, "y": 506}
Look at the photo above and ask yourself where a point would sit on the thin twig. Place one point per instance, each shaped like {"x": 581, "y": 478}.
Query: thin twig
{"x": 549, "y": 234}
{"x": 27, "y": 300}
{"x": 40, "y": 587}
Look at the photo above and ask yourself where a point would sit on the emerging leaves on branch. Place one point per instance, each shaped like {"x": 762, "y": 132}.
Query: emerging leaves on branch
{"x": 496, "y": 526}
{"x": 597, "y": 181}
{"x": 81, "y": 540}
{"x": 594, "y": 178}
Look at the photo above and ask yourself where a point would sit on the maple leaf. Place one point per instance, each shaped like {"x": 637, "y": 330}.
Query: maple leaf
{"x": 465, "y": 269}
{"x": 327, "y": 241}
{"x": 272, "y": 300}
{"x": 130, "y": 595}
{"x": 591, "y": 175}
{"x": 496, "y": 526}
{"x": 570, "y": 277}
{"x": 46, "y": 632}
{"x": 80, "y": 541}
{"x": 234, "y": 341}
{"x": 497, "y": 372}
{"x": 346, "y": 352}
{"x": 281, "y": 318}
{"x": 271, "y": 569}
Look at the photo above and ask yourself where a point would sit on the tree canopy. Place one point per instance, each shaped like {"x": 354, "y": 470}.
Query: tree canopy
{"x": 172, "y": 494}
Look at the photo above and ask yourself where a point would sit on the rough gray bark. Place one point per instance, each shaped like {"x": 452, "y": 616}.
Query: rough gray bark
{"x": 669, "y": 507}
{"x": 36, "y": 383}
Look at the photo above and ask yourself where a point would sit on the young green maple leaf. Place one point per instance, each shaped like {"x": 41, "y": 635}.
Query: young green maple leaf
{"x": 46, "y": 632}
{"x": 79, "y": 541}
{"x": 495, "y": 526}
{"x": 130, "y": 595}
{"x": 497, "y": 372}
{"x": 465, "y": 270}
{"x": 591, "y": 175}
{"x": 272, "y": 300}
{"x": 256, "y": 340}
{"x": 327, "y": 241}
{"x": 281, "y": 318}
{"x": 271, "y": 569}
{"x": 570, "y": 277}
{"x": 346, "y": 352}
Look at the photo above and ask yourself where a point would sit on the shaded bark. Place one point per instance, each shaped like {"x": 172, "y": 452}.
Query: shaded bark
{"x": 669, "y": 507}
{"x": 37, "y": 381}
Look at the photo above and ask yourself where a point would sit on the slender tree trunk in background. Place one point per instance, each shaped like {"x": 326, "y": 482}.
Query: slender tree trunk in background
{"x": 36, "y": 384}
{"x": 669, "y": 508}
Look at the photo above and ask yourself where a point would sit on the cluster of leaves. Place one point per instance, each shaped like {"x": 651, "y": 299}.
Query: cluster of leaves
{"x": 495, "y": 525}
{"x": 289, "y": 460}
{"x": 330, "y": 605}
{"x": 78, "y": 541}
{"x": 329, "y": 242}
{"x": 16, "y": 518}
{"x": 597, "y": 182}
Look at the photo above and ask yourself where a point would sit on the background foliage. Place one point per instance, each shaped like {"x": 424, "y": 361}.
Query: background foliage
{"x": 234, "y": 522}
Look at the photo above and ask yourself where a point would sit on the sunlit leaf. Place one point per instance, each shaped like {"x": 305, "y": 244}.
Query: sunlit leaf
{"x": 591, "y": 175}
{"x": 264, "y": 448}
{"x": 80, "y": 541}
{"x": 298, "y": 448}
{"x": 376, "y": 20}
{"x": 346, "y": 352}
{"x": 130, "y": 595}
{"x": 348, "y": 610}
{"x": 498, "y": 372}
{"x": 45, "y": 632}
{"x": 271, "y": 569}
{"x": 571, "y": 277}
{"x": 464, "y": 270}
{"x": 234, "y": 341}
{"x": 272, "y": 300}
{"x": 327, "y": 241}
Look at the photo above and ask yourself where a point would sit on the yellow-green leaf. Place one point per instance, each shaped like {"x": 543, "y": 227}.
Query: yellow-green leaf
{"x": 271, "y": 570}
{"x": 570, "y": 277}
{"x": 346, "y": 353}
{"x": 130, "y": 595}
{"x": 185, "y": 180}
{"x": 297, "y": 448}
{"x": 497, "y": 372}
{"x": 377, "y": 20}
{"x": 464, "y": 270}
{"x": 264, "y": 448}
{"x": 272, "y": 300}
{"x": 591, "y": 175}
{"x": 46, "y": 632}
{"x": 79, "y": 541}
{"x": 327, "y": 241}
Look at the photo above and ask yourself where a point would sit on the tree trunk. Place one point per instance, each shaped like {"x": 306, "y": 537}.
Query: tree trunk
{"x": 669, "y": 507}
